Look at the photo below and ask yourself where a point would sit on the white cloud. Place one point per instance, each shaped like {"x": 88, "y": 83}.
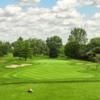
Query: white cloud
{"x": 90, "y": 2}
{"x": 28, "y": 2}
{"x": 93, "y": 26}
{"x": 45, "y": 22}
{"x": 65, "y": 4}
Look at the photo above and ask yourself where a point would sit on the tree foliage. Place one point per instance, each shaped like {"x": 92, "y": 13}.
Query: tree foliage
{"x": 76, "y": 47}
{"x": 22, "y": 49}
{"x": 38, "y": 46}
{"x": 72, "y": 49}
{"x": 5, "y": 48}
{"x": 95, "y": 42}
{"x": 78, "y": 35}
{"x": 76, "y": 41}
{"x": 94, "y": 49}
{"x": 54, "y": 43}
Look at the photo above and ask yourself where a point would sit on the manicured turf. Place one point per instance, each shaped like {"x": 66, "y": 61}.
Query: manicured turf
{"x": 56, "y": 91}
{"x": 50, "y": 79}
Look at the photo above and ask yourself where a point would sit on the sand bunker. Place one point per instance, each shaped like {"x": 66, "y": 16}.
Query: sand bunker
{"x": 17, "y": 66}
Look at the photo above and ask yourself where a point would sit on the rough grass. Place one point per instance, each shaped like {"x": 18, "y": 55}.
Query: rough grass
{"x": 50, "y": 79}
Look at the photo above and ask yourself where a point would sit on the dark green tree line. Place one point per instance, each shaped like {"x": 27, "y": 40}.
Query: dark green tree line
{"x": 54, "y": 43}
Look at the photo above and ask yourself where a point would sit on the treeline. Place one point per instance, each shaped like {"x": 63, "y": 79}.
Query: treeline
{"x": 5, "y": 48}
{"x": 77, "y": 47}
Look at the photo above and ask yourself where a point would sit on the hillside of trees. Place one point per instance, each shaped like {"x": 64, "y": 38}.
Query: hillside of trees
{"x": 77, "y": 47}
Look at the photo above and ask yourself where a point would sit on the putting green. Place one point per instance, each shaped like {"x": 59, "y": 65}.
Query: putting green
{"x": 50, "y": 70}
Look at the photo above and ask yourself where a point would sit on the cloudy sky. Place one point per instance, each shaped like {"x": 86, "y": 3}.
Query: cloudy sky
{"x": 45, "y": 18}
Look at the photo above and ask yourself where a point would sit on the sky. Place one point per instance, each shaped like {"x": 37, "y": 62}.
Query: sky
{"x": 45, "y": 18}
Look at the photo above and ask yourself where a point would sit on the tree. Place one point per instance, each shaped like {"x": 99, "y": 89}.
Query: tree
{"x": 95, "y": 42}
{"x": 72, "y": 49}
{"x": 39, "y": 47}
{"x": 5, "y": 48}
{"x": 54, "y": 43}
{"x": 1, "y": 51}
{"x": 96, "y": 50}
{"x": 76, "y": 43}
{"x": 26, "y": 50}
{"x": 18, "y": 45}
{"x": 93, "y": 48}
{"x": 78, "y": 35}
{"x": 22, "y": 49}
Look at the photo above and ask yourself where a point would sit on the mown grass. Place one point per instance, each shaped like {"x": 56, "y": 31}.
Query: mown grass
{"x": 50, "y": 79}
{"x": 55, "y": 91}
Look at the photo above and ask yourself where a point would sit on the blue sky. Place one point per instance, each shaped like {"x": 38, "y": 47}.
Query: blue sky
{"x": 4, "y": 3}
{"x": 43, "y": 3}
{"x": 88, "y": 10}
{"x": 47, "y": 3}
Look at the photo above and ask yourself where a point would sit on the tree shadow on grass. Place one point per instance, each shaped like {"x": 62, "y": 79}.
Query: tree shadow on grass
{"x": 53, "y": 82}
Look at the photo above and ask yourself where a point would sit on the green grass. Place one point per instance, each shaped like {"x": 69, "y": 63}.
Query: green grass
{"x": 50, "y": 79}
{"x": 56, "y": 91}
